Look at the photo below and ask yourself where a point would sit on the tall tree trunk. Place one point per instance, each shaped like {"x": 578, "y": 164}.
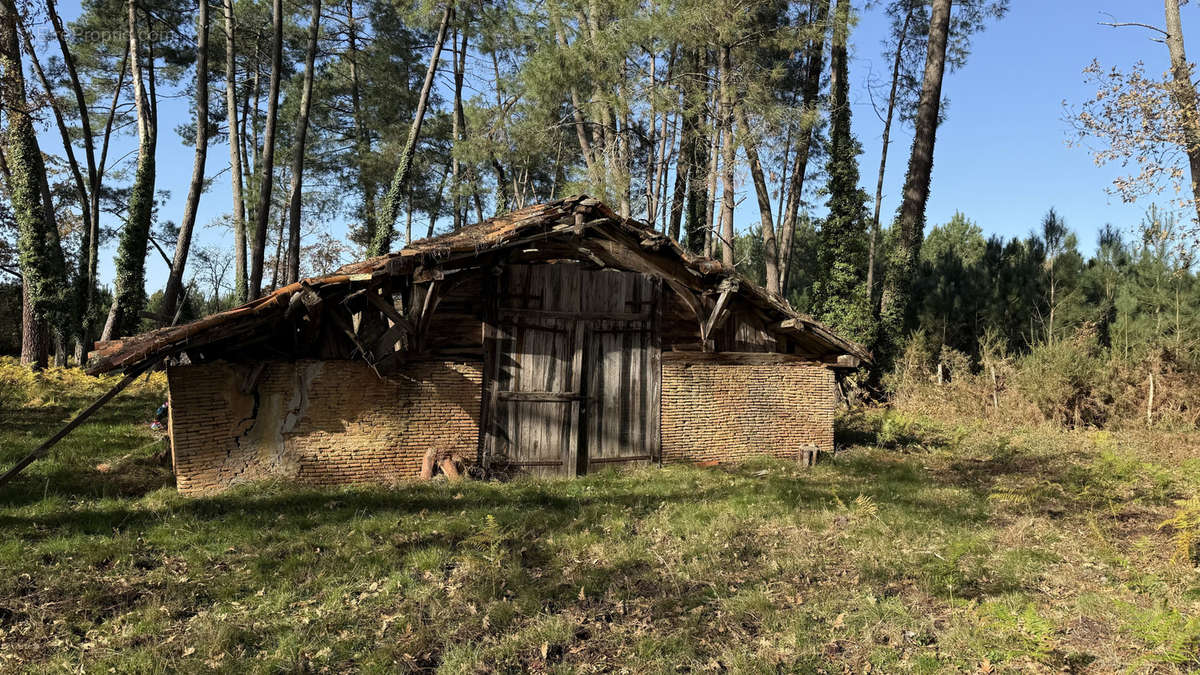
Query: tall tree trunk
{"x": 688, "y": 139}
{"x": 697, "y": 229}
{"x": 76, "y": 309}
{"x": 184, "y": 243}
{"x": 763, "y": 193}
{"x": 585, "y": 144}
{"x": 87, "y": 327}
{"x": 362, "y": 140}
{"x": 310, "y": 59}
{"x": 436, "y": 207}
{"x": 666, "y": 151}
{"x": 94, "y": 253}
{"x": 1053, "y": 304}
{"x": 35, "y": 333}
{"x": 784, "y": 164}
{"x": 810, "y": 100}
{"x": 250, "y": 119}
{"x": 652, "y": 141}
{"x": 89, "y": 242}
{"x": 666, "y": 138}
{"x": 1184, "y": 95}
{"x": 39, "y": 251}
{"x": 235, "y": 159}
{"x": 624, "y": 175}
{"x": 728, "y": 157}
{"x": 502, "y": 200}
{"x": 408, "y": 216}
{"x": 896, "y": 309}
{"x": 277, "y": 268}
{"x": 266, "y": 172}
{"x": 460, "y": 128}
{"x": 706, "y": 199}
{"x": 383, "y": 235}
{"x": 840, "y": 295}
{"x": 130, "y": 287}
{"x": 887, "y": 134}
{"x": 81, "y": 186}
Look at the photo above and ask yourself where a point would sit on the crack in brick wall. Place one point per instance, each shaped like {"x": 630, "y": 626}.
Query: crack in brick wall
{"x": 336, "y": 422}
{"x": 317, "y": 422}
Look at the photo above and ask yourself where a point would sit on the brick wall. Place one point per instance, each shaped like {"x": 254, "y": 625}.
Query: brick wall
{"x": 317, "y": 422}
{"x": 732, "y": 412}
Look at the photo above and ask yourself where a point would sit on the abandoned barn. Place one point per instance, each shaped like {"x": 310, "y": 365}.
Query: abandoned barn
{"x": 558, "y": 339}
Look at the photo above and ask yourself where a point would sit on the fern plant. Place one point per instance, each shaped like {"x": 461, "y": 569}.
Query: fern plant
{"x": 1186, "y": 527}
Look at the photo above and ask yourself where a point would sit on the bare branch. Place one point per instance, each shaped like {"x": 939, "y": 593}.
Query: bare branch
{"x": 1129, "y": 24}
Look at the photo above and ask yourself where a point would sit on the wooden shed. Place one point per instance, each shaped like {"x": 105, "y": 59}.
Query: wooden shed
{"x": 557, "y": 339}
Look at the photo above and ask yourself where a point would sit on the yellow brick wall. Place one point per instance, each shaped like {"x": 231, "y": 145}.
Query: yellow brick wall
{"x": 726, "y": 413}
{"x": 335, "y": 422}
{"x": 317, "y": 422}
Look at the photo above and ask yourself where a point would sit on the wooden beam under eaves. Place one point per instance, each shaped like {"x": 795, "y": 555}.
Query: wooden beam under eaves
{"x": 389, "y": 310}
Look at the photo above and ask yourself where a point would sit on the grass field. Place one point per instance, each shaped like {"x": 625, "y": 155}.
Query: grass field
{"x": 922, "y": 547}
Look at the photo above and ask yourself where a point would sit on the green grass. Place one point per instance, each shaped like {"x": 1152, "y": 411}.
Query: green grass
{"x": 934, "y": 548}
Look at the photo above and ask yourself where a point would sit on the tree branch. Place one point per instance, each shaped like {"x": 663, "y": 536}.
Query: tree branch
{"x": 1126, "y": 24}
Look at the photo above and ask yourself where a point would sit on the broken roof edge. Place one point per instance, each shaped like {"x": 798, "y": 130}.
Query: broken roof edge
{"x": 589, "y": 211}
{"x": 575, "y": 215}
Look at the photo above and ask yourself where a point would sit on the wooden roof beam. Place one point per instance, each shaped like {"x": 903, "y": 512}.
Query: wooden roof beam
{"x": 719, "y": 311}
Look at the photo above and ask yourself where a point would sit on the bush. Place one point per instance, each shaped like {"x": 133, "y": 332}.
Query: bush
{"x": 20, "y": 387}
{"x": 897, "y": 429}
{"x": 1062, "y": 379}
{"x": 1073, "y": 383}
{"x": 16, "y": 384}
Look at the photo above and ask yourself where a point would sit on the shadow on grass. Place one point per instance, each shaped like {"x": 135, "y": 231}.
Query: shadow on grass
{"x": 296, "y": 520}
{"x": 535, "y": 506}
{"x": 41, "y": 422}
{"x": 129, "y": 477}
{"x": 521, "y": 566}
{"x": 110, "y": 455}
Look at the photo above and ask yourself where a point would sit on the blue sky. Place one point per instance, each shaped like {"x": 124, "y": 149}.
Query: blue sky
{"x": 1001, "y": 157}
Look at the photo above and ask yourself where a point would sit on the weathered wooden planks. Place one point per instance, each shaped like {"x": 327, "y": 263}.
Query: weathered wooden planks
{"x": 575, "y": 357}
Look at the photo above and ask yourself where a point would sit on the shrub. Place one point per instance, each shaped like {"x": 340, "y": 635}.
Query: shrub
{"x": 1061, "y": 379}
{"x": 20, "y": 387}
{"x": 16, "y": 384}
{"x": 1072, "y": 382}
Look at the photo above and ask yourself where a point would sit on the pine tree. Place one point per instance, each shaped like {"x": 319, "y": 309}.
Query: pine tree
{"x": 897, "y": 310}
{"x": 130, "y": 287}
{"x": 40, "y": 255}
{"x": 841, "y": 297}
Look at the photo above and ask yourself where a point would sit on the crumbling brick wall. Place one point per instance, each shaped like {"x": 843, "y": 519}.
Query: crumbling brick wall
{"x": 317, "y": 422}
{"x": 722, "y": 412}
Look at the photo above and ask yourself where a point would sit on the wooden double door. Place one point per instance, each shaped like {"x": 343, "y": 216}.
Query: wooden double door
{"x": 572, "y": 369}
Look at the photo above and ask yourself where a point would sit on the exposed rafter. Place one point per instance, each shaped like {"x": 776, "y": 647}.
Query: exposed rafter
{"x": 577, "y": 228}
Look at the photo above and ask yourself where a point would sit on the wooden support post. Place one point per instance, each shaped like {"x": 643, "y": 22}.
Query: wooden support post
{"x": 428, "y": 305}
{"x": 43, "y": 449}
{"x": 363, "y": 350}
{"x": 808, "y": 455}
{"x": 1150, "y": 404}
{"x": 995, "y": 397}
{"x": 717, "y": 316}
{"x": 693, "y": 303}
{"x": 427, "y": 464}
{"x": 389, "y": 310}
{"x": 250, "y": 382}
